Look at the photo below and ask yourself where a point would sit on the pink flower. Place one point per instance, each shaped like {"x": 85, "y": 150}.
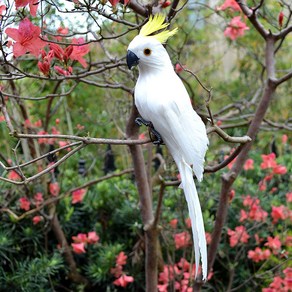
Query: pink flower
{"x": 178, "y": 68}
{"x": 235, "y": 28}
{"x": 208, "y": 237}
{"x": 13, "y": 175}
{"x": 231, "y": 195}
{"x": 81, "y": 237}
{"x": 78, "y": 195}
{"x": 27, "y": 38}
{"x": 237, "y": 236}
{"x": 24, "y": 203}
{"x": 78, "y": 248}
{"x": 2, "y": 9}
{"x": 121, "y": 259}
{"x": 44, "y": 67}
{"x": 114, "y": 2}
{"x": 284, "y": 139}
{"x": 279, "y": 213}
{"x": 33, "y": 5}
{"x": 36, "y": 219}
{"x": 142, "y": 136}
{"x": 182, "y": 239}
{"x": 38, "y": 123}
{"x": 92, "y": 237}
{"x": 229, "y": 4}
{"x": 123, "y": 281}
{"x": 288, "y": 240}
{"x": 163, "y": 287}
{"x": 62, "y": 31}
{"x": 279, "y": 169}
{"x": 248, "y": 164}
{"x": 117, "y": 271}
{"x": 165, "y": 3}
{"x": 269, "y": 161}
{"x": 38, "y": 199}
{"x": 173, "y": 223}
{"x": 289, "y": 197}
{"x": 188, "y": 222}
{"x": 54, "y": 189}
{"x": 62, "y": 71}
{"x": 2, "y": 119}
{"x": 184, "y": 264}
{"x": 79, "y": 51}
{"x": 274, "y": 244}
{"x": 43, "y": 140}
{"x": 258, "y": 254}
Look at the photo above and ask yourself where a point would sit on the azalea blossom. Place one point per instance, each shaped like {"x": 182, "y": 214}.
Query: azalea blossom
{"x": 284, "y": 139}
{"x": 274, "y": 244}
{"x": 269, "y": 161}
{"x": 38, "y": 198}
{"x": 279, "y": 169}
{"x": 121, "y": 259}
{"x": 36, "y": 219}
{"x": 54, "y": 189}
{"x": 235, "y": 28}
{"x": 92, "y": 237}
{"x": 79, "y": 51}
{"x": 239, "y": 235}
{"x": 27, "y": 38}
{"x": 173, "y": 223}
{"x": 279, "y": 213}
{"x": 248, "y": 164}
{"x": 182, "y": 239}
{"x": 78, "y": 248}
{"x": 188, "y": 222}
{"x": 2, "y": 9}
{"x": 24, "y": 203}
{"x": 258, "y": 254}
{"x": 289, "y": 197}
{"x": 78, "y": 195}
{"x": 13, "y": 175}
{"x": 229, "y": 4}
{"x": 123, "y": 281}
{"x": 81, "y": 237}
{"x": 117, "y": 271}
{"x": 33, "y": 5}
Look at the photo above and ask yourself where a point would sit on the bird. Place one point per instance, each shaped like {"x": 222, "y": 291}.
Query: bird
{"x": 165, "y": 106}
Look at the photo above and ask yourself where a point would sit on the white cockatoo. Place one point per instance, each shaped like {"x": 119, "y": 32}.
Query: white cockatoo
{"x": 164, "y": 104}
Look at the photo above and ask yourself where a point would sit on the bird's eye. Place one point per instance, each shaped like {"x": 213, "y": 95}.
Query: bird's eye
{"x": 147, "y": 52}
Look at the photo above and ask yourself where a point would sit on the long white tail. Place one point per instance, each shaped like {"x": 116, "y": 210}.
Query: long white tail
{"x": 195, "y": 212}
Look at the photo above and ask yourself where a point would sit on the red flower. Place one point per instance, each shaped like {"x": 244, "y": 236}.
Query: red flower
{"x": 114, "y": 2}
{"x": 123, "y": 281}
{"x": 173, "y": 223}
{"x": 38, "y": 198}
{"x": 2, "y": 119}
{"x": 121, "y": 259}
{"x": 79, "y": 51}
{"x": 182, "y": 239}
{"x": 274, "y": 244}
{"x": 54, "y": 189}
{"x": 37, "y": 219}
{"x": 289, "y": 197}
{"x": 184, "y": 264}
{"x": 281, "y": 18}
{"x": 258, "y": 254}
{"x": 231, "y": 195}
{"x": 33, "y": 5}
{"x": 188, "y": 222}
{"x": 284, "y": 139}
{"x": 237, "y": 236}
{"x": 44, "y": 67}
{"x": 92, "y": 237}
{"x": 24, "y": 203}
{"x": 117, "y": 271}
{"x": 279, "y": 213}
{"x": 269, "y": 161}
{"x": 279, "y": 169}
{"x": 43, "y": 140}
{"x": 81, "y": 237}
{"x": 27, "y": 38}
{"x": 165, "y": 3}
{"x": 178, "y": 68}
{"x": 78, "y": 248}
{"x": 62, "y": 71}
{"x": 235, "y": 28}
{"x": 78, "y": 195}
{"x": 2, "y": 9}
{"x": 13, "y": 175}
{"x": 248, "y": 164}
{"x": 229, "y": 4}
{"x": 62, "y": 31}
{"x": 208, "y": 237}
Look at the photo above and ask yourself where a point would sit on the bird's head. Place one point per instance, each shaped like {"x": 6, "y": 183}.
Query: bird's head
{"x": 146, "y": 50}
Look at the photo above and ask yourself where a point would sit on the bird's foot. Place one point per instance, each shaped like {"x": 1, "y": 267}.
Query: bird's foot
{"x": 154, "y": 135}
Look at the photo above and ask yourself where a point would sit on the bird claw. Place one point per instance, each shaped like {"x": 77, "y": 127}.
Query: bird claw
{"x": 154, "y": 135}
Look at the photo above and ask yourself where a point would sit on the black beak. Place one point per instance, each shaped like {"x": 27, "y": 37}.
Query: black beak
{"x": 132, "y": 59}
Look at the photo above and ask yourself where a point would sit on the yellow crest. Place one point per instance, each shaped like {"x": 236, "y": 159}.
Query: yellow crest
{"x": 156, "y": 23}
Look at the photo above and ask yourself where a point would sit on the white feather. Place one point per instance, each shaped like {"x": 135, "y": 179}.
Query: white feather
{"x": 161, "y": 98}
